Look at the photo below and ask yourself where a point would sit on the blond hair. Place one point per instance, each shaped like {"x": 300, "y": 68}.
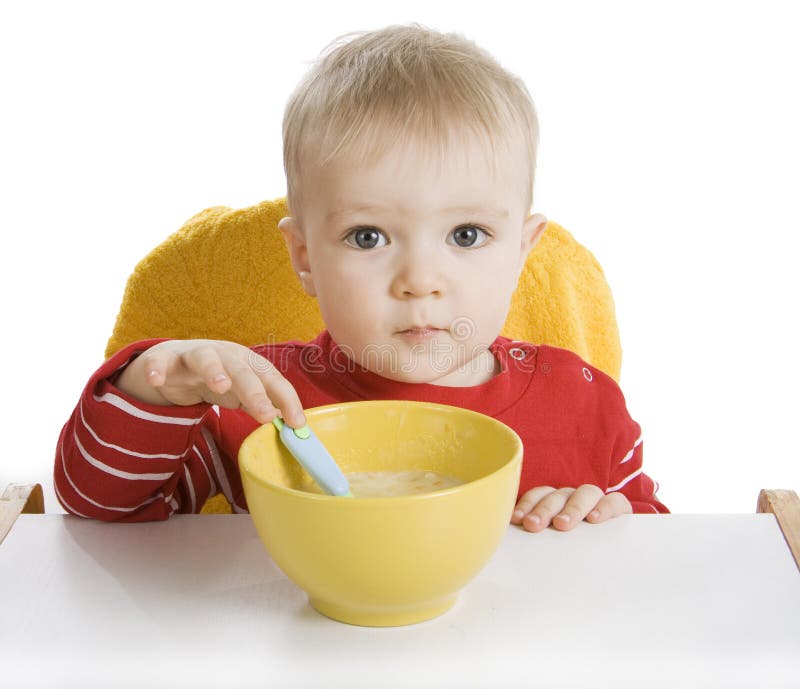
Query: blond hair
{"x": 400, "y": 84}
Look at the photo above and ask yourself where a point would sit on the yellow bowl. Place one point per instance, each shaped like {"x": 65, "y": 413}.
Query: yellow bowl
{"x": 391, "y": 560}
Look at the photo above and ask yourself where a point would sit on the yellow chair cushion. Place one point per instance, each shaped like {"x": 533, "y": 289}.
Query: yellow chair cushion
{"x": 217, "y": 504}
{"x": 226, "y": 275}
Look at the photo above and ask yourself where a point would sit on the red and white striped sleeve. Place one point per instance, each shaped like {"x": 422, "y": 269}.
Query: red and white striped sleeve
{"x": 119, "y": 459}
{"x": 627, "y": 477}
{"x": 619, "y": 442}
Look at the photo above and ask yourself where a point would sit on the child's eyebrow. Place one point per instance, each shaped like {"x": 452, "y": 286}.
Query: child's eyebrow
{"x": 498, "y": 213}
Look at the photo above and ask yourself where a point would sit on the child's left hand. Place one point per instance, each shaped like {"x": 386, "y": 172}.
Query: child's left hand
{"x": 565, "y": 507}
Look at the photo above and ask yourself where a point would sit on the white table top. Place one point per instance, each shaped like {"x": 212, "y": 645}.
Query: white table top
{"x": 642, "y": 601}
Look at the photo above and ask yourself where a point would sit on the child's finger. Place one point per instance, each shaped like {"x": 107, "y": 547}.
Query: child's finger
{"x": 528, "y": 501}
{"x": 205, "y": 362}
{"x": 281, "y": 391}
{"x": 580, "y": 504}
{"x": 609, "y": 506}
{"x": 549, "y": 506}
{"x": 156, "y": 363}
{"x": 249, "y": 389}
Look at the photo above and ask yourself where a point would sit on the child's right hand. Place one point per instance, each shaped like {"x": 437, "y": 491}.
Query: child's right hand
{"x": 185, "y": 372}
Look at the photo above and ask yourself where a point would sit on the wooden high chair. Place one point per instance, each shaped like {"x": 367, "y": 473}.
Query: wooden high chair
{"x": 19, "y": 499}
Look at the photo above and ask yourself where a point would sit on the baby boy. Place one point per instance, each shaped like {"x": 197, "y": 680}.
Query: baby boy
{"x": 410, "y": 159}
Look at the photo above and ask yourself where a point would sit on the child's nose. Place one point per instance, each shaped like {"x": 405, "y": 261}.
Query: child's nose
{"x": 418, "y": 275}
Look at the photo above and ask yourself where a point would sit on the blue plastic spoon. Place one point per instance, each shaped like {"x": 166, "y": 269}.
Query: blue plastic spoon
{"x": 314, "y": 458}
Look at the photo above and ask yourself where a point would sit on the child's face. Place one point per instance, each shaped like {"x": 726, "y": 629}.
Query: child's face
{"x": 414, "y": 264}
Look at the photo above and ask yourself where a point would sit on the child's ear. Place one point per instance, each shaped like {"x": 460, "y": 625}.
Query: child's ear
{"x": 298, "y": 252}
{"x": 532, "y": 231}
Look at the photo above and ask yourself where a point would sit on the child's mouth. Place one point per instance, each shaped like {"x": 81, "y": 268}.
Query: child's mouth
{"x": 420, "y": 333}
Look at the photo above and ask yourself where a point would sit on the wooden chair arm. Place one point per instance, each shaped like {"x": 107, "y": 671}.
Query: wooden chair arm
{"x": 17, "y": 499}
{"x": 785, "y": 505}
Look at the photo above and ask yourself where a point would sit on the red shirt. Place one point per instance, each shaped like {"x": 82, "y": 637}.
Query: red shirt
{"x": 121, "y": 459}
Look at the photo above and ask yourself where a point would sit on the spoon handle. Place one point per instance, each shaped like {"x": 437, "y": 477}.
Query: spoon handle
{"x": 314, "y": 458}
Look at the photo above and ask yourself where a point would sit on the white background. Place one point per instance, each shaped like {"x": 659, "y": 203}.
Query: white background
{"x": 669, "y": 147}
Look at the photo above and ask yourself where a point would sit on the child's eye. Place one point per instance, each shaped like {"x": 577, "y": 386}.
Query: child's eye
{"x": 366, "y": 238}
{"x": 468, "y": 236}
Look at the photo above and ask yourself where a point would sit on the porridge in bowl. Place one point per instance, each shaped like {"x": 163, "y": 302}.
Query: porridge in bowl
{"x": 386, "y": 484}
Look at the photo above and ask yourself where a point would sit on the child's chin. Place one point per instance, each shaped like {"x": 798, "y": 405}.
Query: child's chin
{"x": 412, "y": 378}
{"x": 428, "y": 376}
{"x": 433, "y": 371}
{"x": 407, "y": 374}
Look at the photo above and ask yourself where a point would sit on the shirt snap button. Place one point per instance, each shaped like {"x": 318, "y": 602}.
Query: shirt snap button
{"x": 587, "y": 374}
{"x": 517, "y": 353}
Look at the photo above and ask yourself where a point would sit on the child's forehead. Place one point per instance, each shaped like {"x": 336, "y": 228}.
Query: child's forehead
{"x": 342, "y": 197}
{"x": 455, "y": 145}
{"x": 469, "y": 163}
{"x": 465, "y": 169}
